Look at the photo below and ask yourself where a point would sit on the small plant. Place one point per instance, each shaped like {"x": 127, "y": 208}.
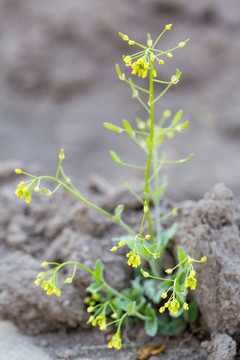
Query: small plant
{"x": 150, "y": 287}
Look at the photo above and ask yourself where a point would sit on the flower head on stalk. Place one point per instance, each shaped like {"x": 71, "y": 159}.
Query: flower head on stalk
{"x": 141, "y": 61}
{"x": 116, "y": 342}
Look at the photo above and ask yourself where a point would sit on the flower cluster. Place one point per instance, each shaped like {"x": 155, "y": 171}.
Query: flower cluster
{"x": 99, "y": 320}
{"x": 172, "y": 304}
{"x": 191, "y": 281}
{"x": 141, "y": 61}
{"x": 23, "y": 190}
{"x": 134, "y": 259}
{"x": 116, "y": 342}
{"x": 141, "y": 67}
{"x": 49, "y": 285}
{"x": 120, "y": 244}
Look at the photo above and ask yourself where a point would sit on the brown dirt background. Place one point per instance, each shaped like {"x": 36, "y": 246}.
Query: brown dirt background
{"x": 58, "y": 85}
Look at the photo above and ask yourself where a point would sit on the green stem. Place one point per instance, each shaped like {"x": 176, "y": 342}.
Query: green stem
{"x": 59, "y": 166}
{"x": 162, "y": 82}
{"x": 151, "y": 94}
{"x": 154, "y": 268}
{"x": 141, "y": 316}
{"x": 80, "y": 197}
{"x": 128, "y": 186}
{"x": 162, "y": 93}
{"x": 105, "y": 285}
{"x": 76, "y": 264}
{"x": 158, "y": 38}
{"x": 143, "y": 104}
{"x": 137, "y": 87}
{"x": 114, "y": 292}
{"x": 142, "y": 224}
{"x": 156, "y": 184}
{"x": 133, "y": 166}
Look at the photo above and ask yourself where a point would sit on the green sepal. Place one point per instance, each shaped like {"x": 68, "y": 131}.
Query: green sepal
{"x": 149, "y": 143}
{"x": 184, "y": 126}
{"x": 121, "y": 34}
{"x": 46, "y": 191}
{"x": 177, "y": 118}
{"x": 115, "y": 157}
{"x": 112, "y": 127}
{"x": 182, "y": 161}
{"x": 120, "y": 74}
{"x": 128, "y": 128}
{"x": 118, "y": 211}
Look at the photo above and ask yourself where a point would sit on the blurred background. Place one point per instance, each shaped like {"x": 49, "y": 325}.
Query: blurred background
{"x": 58, "y": 85}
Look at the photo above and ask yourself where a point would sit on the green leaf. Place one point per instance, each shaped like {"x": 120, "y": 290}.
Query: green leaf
{"x": 136, "y": 288}
{"x": 118, "y": 211}
{"x": 186, "y": 159}
{"x": 122, "y": 304}
{"x": 122, "y": 238}
{"x": 182, "y": 255}
{"x": 120, "y": 74}
{"x": 149, "y": 288}
{"x": 112, "y": 127}
{"x": 159, "y": 192}
{"x": 46, "y": 191}
{"x": 149, "y": 143}
{"x": 184, "y": 125}
{"x": 115, "y": 157}
{"x": 94, "y": 287}
{"x": 174, "y": 327}
{"x": 167, "y": 235}
{"x": 98, "y": 271}
{"x": 151, "y": 325}
{"x": 128, "y": 128}
{"x": 179, "y": 285}
{"x": 132, "y": 307}
{"x": 177, "y": 117}
{"x": 162, "y": 288}
{"x": 191, "y": 315}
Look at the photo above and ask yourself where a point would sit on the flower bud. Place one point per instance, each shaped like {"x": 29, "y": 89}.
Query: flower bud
{"x": 44, "y": 264}
{"x": 114, "y": 248}
{"x": 61, "y": 155}
{"x": 168, "y": 26}
{"x": 181, "y": 44}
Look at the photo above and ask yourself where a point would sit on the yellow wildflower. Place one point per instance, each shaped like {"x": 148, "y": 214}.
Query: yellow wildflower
{"x": 168, "y": 26}
{"x": 116, "y": 342}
